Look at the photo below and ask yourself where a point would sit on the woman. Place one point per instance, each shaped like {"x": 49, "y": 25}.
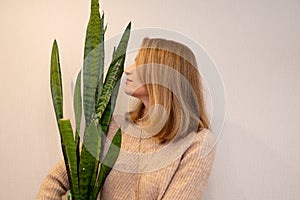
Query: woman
{"x": 167, "y": 150}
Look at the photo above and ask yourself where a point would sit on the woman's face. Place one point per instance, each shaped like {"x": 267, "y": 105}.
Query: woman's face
{"x": 134, "y": 87}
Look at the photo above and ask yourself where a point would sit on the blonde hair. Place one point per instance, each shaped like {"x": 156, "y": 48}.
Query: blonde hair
{"x": 170, "y": 73}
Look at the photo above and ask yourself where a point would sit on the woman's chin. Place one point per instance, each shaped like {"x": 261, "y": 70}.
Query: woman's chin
{"x": 128, "y": 91}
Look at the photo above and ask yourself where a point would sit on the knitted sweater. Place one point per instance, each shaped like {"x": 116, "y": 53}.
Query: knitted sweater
{"x": 148, "y": 170}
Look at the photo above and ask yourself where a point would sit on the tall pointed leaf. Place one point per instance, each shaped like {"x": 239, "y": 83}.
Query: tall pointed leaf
{"x": 114, "y": 72}
{"x": 108, "y": 162}
{"x": 102, "y": 56}
{"x": 78, "y": 103}
{"x": 109, "y": 110}
{"x": 97, "y": 162}
{"x": 56, "y": 83}
{"x": 121, "y": 49}
{"x": 69, "y": 152}
{"x": 93, "y": 56}
{"x": 89, "y": 157}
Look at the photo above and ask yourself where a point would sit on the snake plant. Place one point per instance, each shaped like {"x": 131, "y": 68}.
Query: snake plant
{"x": 94, "y": 101}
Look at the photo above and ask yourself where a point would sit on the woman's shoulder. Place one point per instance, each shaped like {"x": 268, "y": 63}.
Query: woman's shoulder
{"x": 204, "y": 142}
{"x": 204, "y": 134}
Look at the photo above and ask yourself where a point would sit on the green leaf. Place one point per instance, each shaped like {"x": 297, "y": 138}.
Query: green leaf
{"x": 102, "y": 55}
{"x": 78, "y": 102}
{"x": 77, "y": 145}
{"x": 109, "y": 110}
{"x": 108, "y": 162}
{"x": 93, "y": 60}
{"x": 121, "y": 49}
{"x": 97, "y": 163}
{"x": 69, "y": 152}
{"x": 78, "y": 113}
{"x": 114, "y": 73}
{"x": 56, "y": 82}
{"x": 89, "y": 158}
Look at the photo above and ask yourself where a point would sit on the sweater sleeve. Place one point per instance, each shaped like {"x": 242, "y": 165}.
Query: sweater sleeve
{"x": 190, "y": 179}
{"x": 55, "y": 184}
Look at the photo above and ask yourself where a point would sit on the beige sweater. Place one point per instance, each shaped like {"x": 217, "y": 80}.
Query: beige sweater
{"x": 148, "y": 170}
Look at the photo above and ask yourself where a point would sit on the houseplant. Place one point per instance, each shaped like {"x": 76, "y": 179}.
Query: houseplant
{"x": 94, "y": 101}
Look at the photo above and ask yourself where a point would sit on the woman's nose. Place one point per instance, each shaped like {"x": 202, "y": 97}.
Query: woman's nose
{"x": 129, "y": 69}
{"x": 127, "y": 72}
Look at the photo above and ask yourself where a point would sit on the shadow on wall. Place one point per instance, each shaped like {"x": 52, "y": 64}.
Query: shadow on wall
{"x": 246, "y": 168}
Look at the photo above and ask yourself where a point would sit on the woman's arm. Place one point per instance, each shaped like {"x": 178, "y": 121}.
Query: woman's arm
{"x": 190, "y": 179}
{"x": 55, "y": 184}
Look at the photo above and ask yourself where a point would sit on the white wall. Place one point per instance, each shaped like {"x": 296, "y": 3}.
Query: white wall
{"x": 255, "y": 44}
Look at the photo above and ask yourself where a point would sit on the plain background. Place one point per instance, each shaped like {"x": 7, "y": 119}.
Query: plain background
{"x": 255, "y": 44}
